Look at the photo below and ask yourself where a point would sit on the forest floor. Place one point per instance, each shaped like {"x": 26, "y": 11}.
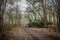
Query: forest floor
{"x": 30, "y": 34}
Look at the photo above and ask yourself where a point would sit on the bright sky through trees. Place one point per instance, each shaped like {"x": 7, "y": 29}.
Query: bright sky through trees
{"x": 34, "y": 10}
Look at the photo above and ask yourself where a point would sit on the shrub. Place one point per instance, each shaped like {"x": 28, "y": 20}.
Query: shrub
{"x": 39, "y": 24}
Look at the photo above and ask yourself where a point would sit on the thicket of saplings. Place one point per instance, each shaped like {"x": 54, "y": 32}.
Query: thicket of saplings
{"x": 38, "y": 24}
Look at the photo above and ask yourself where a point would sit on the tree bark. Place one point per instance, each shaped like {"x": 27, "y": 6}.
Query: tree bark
{"x": 2, "y": 9}
{"x": 1, "y": 15}
{"x": 59, "y": 15}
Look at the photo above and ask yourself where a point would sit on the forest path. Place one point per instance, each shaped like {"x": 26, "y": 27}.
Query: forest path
{"x": 30, "y": 34}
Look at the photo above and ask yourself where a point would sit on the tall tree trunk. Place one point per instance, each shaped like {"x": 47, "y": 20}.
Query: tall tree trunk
{"x": 2, "y": 9}
{"x": 59, "y": 15}
{"x": 1, "y": 15}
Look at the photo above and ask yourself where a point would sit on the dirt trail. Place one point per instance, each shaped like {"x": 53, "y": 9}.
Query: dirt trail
{"x": 30, "y": 34}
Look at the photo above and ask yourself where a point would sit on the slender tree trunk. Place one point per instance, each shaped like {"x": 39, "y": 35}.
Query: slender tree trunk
{"x": 1, "y": 19}
{"x": 2, "y": 9}
{"x": 59, "y": 15}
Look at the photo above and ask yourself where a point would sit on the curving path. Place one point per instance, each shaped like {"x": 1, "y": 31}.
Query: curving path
{"x": 30, "y": 34}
